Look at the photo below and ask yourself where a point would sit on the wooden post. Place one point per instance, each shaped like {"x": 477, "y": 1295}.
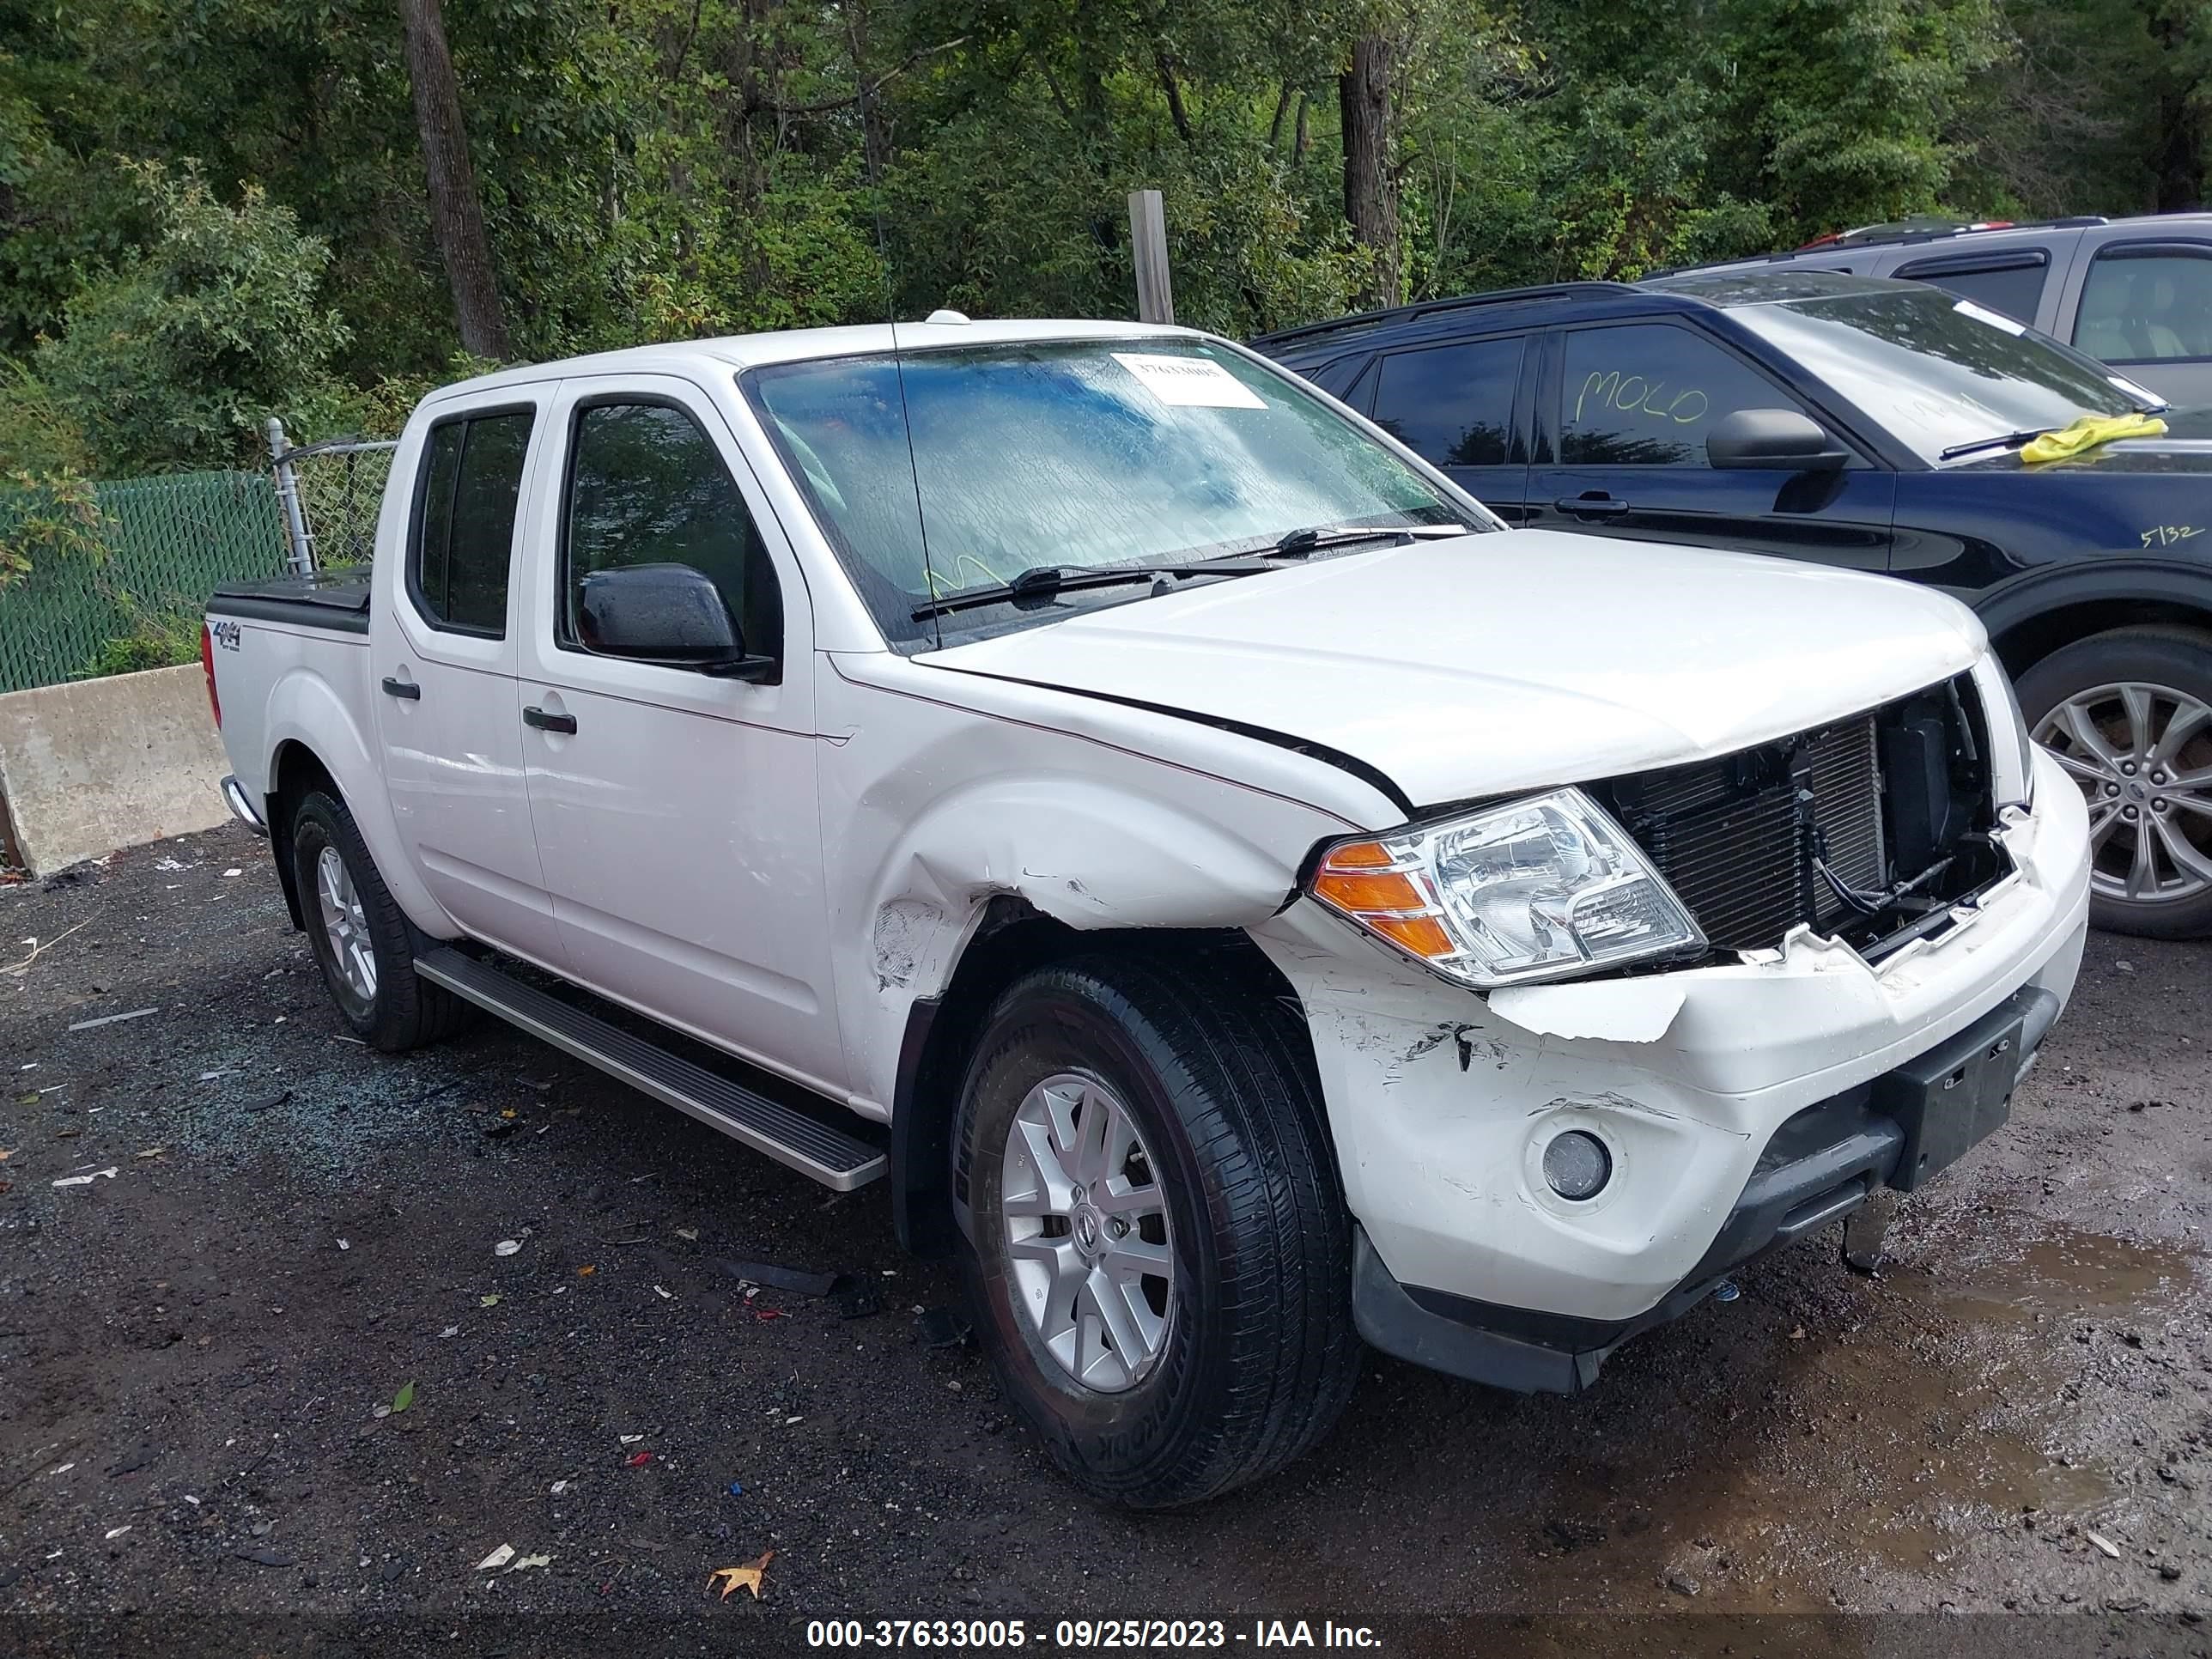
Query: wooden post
{"x": 1148, "y": 241}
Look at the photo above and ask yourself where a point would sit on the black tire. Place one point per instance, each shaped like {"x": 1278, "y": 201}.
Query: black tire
{"x": 2178, "y": 660}
{"x": 406, "y": 1010}
{"x": 1260, "y": 1356}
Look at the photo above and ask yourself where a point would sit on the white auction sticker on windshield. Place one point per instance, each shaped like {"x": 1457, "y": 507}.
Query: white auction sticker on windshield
{"x": 1191, "y": 382}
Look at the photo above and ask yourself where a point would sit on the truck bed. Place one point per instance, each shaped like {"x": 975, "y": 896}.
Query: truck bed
{"x": 337, "y": 604}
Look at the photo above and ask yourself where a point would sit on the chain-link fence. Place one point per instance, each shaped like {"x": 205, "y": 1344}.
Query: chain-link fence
{"x": 341, "y": 488}
{"x": 130, "y": 593}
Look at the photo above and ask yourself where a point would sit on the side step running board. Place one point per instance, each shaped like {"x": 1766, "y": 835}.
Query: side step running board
{"x": 835, "y": 1159}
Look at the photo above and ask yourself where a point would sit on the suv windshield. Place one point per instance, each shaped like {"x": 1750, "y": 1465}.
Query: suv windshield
{"x": 1939, "y": 372}
{"x": 1080, "y": 455}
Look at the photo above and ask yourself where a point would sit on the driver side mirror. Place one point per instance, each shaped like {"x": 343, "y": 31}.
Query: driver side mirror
{"x": 1773, "y": 440}
{"x": 668, "y": 614}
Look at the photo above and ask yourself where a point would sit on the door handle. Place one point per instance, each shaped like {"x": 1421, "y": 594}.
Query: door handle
{"x": 533, "y": 715}
{"x": 405, "y": 689}
{"x": 1585, "y": 507}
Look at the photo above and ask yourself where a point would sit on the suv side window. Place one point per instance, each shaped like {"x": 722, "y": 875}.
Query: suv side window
{"x": 1645, "y": 394}
{"x": 2010, "y": 283}
{"x": 2146, "y": 304}
{"x": 463, "y": 542}
{"x": 647, "y": 486}
{"x": 1452, "y": 404}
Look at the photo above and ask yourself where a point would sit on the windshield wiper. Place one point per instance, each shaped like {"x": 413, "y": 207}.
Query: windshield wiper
{"x": 1043, "y": 581}
{"x": 2007, "y": 440}
{"x": 1300, "y": 543}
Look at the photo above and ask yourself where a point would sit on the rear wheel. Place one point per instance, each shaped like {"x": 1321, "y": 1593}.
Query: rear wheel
{"x": 2129, "y": 715}
{"x": 1159, "y": 1254}
{"x": 363, "y": 941}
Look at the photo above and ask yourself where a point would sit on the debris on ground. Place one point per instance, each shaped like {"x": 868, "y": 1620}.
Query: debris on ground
{"x": 498, "y": 1558}
{"x": 2104, "y": 1543}
{"x": 404, "y": 1399}
{"x": 747, "y": 1577}
{"x": 854, "y": 1297}
{"x": 940, "y": 1327}
{"x": 507, "y": 1247}
{"x": 637, "y": 1460}
{"x": 522, "y": 1561}
{"x": 268, "y": 1555}
{"x": 489, "y": 1301}
{"x": 108, "y": 1174}
{"x": 1866, "y": 1227}
{"x": 796, "y": 1280}
{"x": 111, "y": 1019}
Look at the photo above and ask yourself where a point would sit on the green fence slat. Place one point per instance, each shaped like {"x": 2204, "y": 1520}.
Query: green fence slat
{"x": 170, "y": 540}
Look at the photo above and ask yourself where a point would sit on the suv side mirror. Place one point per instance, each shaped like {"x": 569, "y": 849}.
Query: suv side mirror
{"x": 669, "y": 614}
{"x": 1773, "y": 440}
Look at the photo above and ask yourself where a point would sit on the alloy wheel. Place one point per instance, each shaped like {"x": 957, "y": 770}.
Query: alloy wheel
{"x": 1087, "y": 1233}
{"x": 2142, "y": 756}
{"x": 345, "y": 925}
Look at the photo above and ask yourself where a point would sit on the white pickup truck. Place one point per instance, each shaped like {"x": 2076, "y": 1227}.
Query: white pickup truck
{"x": 1239, "y": 895}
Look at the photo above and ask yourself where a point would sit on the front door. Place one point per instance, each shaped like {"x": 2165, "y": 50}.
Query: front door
{"x": 1622, "y": 418}
{"x": 676, "y": 811}
{"x": 441, "y": 673}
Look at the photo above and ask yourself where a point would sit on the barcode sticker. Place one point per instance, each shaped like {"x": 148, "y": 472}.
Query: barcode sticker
{"x": 1189, "y": 382}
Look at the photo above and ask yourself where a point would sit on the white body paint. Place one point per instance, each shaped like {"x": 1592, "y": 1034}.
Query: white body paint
{"x": 783, "y": 869}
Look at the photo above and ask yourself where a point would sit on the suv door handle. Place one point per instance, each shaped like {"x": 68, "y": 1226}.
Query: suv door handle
{"x": 533, "y": 715}
{"x": 403, "y": 689}
{"x": 1587, "y": 507}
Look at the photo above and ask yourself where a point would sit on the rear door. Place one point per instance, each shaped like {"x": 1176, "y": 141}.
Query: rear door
{"x": 442, "y": 642}
{"x": 1622, "y": 411}
{"x": 2144, "y": 306}
{"x": 1461, "y": 406}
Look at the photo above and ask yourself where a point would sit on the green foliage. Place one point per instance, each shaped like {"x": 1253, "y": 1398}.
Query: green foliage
{"x": 48, "y": 515}
{"x": 172, "y": 360}
{"x": 655, "y": 169}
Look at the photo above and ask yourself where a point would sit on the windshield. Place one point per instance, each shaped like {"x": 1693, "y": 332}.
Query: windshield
{"x": 1077, "y": 454}
{"x": 1939, "y": 372}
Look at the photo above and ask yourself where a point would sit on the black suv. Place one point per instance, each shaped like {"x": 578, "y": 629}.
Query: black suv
{"x": 1872, "y": 424}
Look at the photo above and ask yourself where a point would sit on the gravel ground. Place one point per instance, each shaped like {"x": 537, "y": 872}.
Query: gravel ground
{"x": 286, "y": 1234}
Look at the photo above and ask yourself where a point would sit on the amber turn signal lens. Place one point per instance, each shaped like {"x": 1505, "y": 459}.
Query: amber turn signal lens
{"x": 1379, "y": 893}
{"x": 1424, "y": 936}
{"x": 1358, "y": 855}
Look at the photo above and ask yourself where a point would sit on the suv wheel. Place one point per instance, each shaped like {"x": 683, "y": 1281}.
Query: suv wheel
{"x": 363, "y": 940}
{"x": 2129, "y": 714}
{"x": 1158, "y": 1253}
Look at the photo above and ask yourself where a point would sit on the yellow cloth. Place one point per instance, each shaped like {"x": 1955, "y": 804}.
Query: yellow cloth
{"x": 2087, "y": 433}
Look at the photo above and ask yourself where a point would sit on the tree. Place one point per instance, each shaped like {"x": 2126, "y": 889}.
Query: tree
{"x": 1370, "y": 189}
{"x": 457, "y": 220}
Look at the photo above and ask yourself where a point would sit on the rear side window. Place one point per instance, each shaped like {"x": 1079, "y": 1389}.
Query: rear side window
{"x": 647, "y": 486}
{"x": 2012, "y": 286}
{"x": 2147, "y": 305}
{"x": 1645, "y": 394}
{"x": 464, "y": 539}
{"x": 1452, "y": 406}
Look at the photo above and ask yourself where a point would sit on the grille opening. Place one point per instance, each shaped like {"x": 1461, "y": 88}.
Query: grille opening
{"x": 1869, "y": 828}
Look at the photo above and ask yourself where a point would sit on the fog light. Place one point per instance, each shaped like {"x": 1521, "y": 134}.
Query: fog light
{"x": 1577, "y": 1164}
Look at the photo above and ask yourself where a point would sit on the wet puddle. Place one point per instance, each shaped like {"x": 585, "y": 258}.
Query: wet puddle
{"x": 2066, "y": 1272}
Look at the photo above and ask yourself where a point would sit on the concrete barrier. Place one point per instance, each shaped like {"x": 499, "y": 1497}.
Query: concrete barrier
{"x": 94, "y": 765}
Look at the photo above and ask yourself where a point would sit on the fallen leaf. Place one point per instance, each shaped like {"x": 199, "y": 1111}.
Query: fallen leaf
{"x": 498, "y": 1558}
{"x": 522, "y": 1561}
{"x": 404, "y": 1399}
{"x": 6, "y": 1152}
{"x": 488, "y": 1301}
{"x": 745, "y": 1578}
{"x": 586, "y": 1271}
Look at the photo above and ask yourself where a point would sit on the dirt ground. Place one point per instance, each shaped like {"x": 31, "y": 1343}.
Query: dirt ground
{"x": 286, "y": 1233}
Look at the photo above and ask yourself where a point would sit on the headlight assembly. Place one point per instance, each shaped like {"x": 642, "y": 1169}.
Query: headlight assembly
{"x": 1539, "y": 888}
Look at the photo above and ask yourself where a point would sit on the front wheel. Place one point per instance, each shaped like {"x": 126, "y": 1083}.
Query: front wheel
{"x": 1158, "y": 1251}
{"x": 2129, "y": 715}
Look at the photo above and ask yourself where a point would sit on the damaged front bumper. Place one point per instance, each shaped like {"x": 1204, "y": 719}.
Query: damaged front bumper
{"x": 1740, "y": 1106}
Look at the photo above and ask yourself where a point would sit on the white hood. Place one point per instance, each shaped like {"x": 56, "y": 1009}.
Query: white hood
{"x": 1510, "y": 660}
